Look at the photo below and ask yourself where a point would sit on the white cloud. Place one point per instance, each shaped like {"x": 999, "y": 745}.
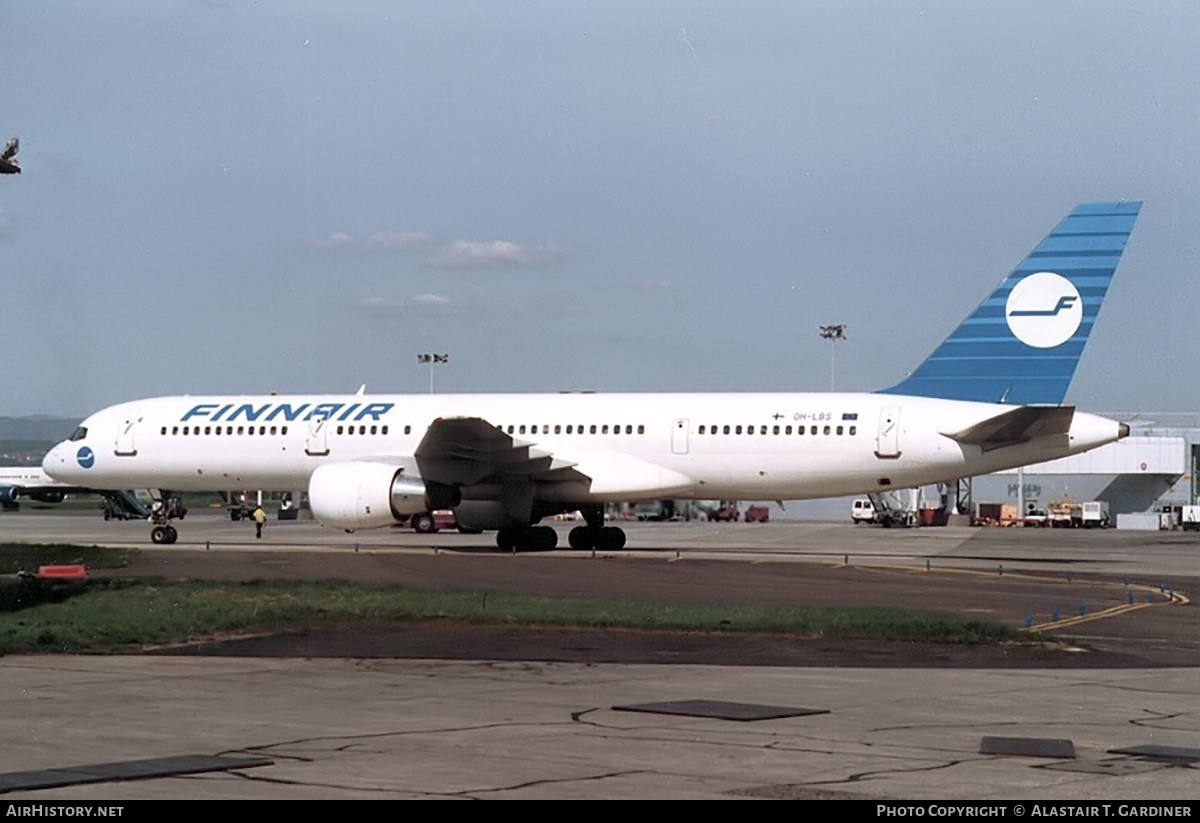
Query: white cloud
{"x": 420, "y": 305}
{"x": 337, "y": 240}
{"x": 469, "y": 254}
{"x": 395, "y": 239}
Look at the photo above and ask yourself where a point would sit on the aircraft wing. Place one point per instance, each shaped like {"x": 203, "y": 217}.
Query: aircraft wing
{"x": 1015, "y": 426}
{"x": 464, "y": 451}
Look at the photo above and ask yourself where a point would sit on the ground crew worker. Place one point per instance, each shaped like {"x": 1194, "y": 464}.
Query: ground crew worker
{"x": 259, "y": 519}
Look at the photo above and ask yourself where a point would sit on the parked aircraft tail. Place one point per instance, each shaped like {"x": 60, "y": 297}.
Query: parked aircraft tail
{"x": 1022, "y": 344}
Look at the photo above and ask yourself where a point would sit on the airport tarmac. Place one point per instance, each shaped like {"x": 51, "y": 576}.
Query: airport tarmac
{"x": 380, "y": 727}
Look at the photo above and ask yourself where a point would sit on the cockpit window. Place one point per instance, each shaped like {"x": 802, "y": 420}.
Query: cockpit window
{"x": 79, "y": 434}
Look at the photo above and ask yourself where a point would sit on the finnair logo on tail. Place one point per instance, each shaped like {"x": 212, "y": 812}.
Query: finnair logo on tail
{"x": 1044, "y": 310}
{"x": 1064, "y": 302}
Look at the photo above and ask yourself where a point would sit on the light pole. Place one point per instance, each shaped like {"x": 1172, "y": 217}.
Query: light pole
{"x": 432, "y": 360}
{"x": 833, "y": 334}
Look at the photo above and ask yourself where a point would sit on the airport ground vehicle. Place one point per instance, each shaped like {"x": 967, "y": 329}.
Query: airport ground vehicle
{"x": 431, "y": 522}
{"x": 1189, "y": 518}
{"x": 758, "y": 514}
{"x": 862, "y": 511}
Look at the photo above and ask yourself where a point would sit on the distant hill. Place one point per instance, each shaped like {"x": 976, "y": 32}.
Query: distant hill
{"x": 37, "y": 427}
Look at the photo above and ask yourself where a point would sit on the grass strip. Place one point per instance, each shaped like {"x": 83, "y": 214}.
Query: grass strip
{"x": 124, "y": 615}
{"x": 15, "y": 557}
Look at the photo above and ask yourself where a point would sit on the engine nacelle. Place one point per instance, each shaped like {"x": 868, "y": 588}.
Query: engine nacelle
{"x": 361, "y": 495}
{"x": 48, "y": 496}
{"x": 9, "y": 494}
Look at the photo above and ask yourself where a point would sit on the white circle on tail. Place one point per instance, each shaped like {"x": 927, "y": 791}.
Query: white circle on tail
{"x": 1044, "y": 310}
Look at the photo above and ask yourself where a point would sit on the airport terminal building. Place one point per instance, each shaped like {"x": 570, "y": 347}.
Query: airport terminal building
{"x": 1152, "y": 470}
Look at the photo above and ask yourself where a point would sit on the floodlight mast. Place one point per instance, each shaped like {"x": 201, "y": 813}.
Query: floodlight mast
{"x": 432, "y": 360}
{"x": 832, "y": 333}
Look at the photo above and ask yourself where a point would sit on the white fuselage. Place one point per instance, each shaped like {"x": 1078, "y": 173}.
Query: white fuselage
{"x": 628, "y": 446}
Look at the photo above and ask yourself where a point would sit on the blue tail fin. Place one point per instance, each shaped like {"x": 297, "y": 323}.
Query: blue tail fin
{"x": 1022, "y": 344}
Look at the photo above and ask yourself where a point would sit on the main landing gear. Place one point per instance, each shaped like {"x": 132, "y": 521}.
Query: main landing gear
{"x": 604, "y": 538}
{"x": 595, "y": 535}
{"x": 529, "y": 539}
{"x": 544, "y": 539}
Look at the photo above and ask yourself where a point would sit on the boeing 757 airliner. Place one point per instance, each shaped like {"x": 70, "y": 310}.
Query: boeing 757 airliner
{"x": 988, "y": 398}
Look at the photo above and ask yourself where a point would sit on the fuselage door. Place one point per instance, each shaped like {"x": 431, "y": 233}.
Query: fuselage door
{"x": 679, "y": 436}
{"x": 317, "y": 442}
{"x": 887, "y": 444}
{"x": 126, "y": 445}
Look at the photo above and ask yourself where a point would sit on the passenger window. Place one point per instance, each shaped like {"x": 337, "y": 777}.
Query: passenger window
{"x": 854, "y": 429}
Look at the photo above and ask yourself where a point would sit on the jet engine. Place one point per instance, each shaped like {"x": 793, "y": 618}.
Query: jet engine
{"x": 363, "y": 495}
{"x": 47, "y": 496}
{"x": 9, "y": 494}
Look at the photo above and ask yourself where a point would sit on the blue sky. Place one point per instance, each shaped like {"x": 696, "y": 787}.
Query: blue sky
{"x": 619, "y": 196}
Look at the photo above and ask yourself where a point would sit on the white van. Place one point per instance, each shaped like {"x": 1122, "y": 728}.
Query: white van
{"x": 862, "y": 511}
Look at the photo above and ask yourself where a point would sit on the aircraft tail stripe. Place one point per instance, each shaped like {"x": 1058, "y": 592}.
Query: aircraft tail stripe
{"x": 1023, "y": 346}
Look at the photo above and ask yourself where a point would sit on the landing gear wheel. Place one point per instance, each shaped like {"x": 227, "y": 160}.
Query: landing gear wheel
{"x": 544, "y": 539}
{"x": 424, "y": 523}
{"x": 506, "y": 540}
{"x": 535, "y": 539}
{"x": 163, "y": 534}
{"x": 610, "y": 539}
{"x": 582, "y": 538}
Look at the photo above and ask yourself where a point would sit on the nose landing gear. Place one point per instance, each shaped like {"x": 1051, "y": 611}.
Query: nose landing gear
{"x": 167, "y": 508}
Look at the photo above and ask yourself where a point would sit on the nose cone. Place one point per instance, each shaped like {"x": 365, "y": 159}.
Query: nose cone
{"x": 68, "y": 461}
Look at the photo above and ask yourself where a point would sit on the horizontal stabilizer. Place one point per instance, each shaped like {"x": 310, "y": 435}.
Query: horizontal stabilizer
{"x": 1015, "y": 426}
